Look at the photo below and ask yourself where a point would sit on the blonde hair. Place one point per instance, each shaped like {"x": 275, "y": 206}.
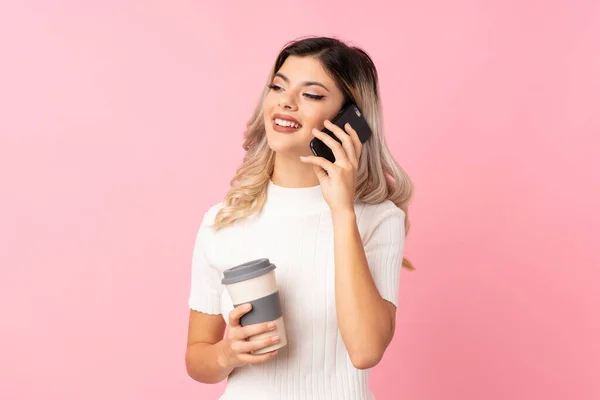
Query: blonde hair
{"x": 379, "y": 177}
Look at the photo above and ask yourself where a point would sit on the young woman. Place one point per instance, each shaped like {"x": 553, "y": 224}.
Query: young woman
{"x": 335, "y": 232}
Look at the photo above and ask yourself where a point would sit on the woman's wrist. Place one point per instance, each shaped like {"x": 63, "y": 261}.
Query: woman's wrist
{"x": 222, "y": 359}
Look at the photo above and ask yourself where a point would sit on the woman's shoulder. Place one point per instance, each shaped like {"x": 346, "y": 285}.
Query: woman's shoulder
{"x": 211, "y": 213}
{"x": 379, "y": 211}
{"x": 377, "y": 219}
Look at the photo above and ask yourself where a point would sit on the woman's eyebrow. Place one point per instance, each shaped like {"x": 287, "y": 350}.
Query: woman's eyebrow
{"x": 305, "y": 83}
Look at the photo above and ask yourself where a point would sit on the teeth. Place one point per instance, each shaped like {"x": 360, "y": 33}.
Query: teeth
{"x": 282, "y": 122}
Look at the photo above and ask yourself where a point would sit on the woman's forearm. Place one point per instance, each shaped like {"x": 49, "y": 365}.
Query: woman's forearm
{"x": 363, "y": 319}
{"x": 204, "y": 363}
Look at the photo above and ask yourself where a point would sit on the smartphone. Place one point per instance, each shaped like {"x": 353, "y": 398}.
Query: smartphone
{"x": 349, "y": 114}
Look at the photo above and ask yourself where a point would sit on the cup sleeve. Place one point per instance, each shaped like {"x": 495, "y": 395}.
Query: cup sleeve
{"x": 206, "y": 287}
{"x": 384, "y": 250}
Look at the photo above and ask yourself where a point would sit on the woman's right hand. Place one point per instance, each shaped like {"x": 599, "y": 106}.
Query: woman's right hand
{"x": 236, "y": 349}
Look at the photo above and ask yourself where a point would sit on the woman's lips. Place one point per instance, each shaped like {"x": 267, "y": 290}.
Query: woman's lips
{"x": 284, "y": 129}
{"x": 282, "y": 122}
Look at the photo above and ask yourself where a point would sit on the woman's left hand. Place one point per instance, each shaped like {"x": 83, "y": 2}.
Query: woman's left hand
{"x": 338, "y": 180}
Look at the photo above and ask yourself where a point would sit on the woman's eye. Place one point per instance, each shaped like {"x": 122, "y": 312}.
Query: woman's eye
{"x": 313, "y": 96}
{"x": 277, "y": 88}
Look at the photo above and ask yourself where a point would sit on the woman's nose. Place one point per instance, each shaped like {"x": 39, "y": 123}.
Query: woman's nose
{"x": 287, "y": 102}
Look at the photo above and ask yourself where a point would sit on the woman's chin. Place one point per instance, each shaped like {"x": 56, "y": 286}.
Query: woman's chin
{"x": 288, "y": 147}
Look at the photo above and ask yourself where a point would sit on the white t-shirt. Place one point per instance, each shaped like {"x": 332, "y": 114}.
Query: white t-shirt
{"x": 294, "y": 231}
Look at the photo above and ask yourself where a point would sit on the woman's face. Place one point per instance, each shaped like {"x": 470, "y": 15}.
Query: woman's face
{"x": 302, "y": 96}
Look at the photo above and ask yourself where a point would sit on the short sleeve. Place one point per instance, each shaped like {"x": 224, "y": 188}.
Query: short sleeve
{"x": 206, "y": 287}
{"x": 384, "y": 250}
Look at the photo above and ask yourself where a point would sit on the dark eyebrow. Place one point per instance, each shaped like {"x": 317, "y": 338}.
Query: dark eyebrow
{"x": 305, "y": 83}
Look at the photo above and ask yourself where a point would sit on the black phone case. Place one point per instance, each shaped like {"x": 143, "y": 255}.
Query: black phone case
{"x": 349, "y": 114}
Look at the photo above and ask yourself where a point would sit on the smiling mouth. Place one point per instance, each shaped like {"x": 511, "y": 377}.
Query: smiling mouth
{"x": 286, "y": 123}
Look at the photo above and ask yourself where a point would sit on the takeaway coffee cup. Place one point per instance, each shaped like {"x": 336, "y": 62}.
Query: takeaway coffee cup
{"x": 254, "y": 282}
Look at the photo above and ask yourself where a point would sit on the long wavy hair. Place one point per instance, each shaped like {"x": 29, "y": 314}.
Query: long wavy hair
{"x": 379, "y": 177}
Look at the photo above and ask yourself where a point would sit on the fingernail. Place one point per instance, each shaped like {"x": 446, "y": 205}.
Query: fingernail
{"x": 271, "y": 325}
{"x": 315, "y": 130}
{"x": 247, "y": 307}
{"x": 273, "y": 354}
{"x": 275, "y": 338}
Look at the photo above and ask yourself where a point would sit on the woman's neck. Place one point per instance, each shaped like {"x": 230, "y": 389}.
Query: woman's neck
{"x": 289, "y": 171}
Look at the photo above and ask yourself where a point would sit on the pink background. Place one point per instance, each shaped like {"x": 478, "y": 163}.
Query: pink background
{"x": 121, "y": 122}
